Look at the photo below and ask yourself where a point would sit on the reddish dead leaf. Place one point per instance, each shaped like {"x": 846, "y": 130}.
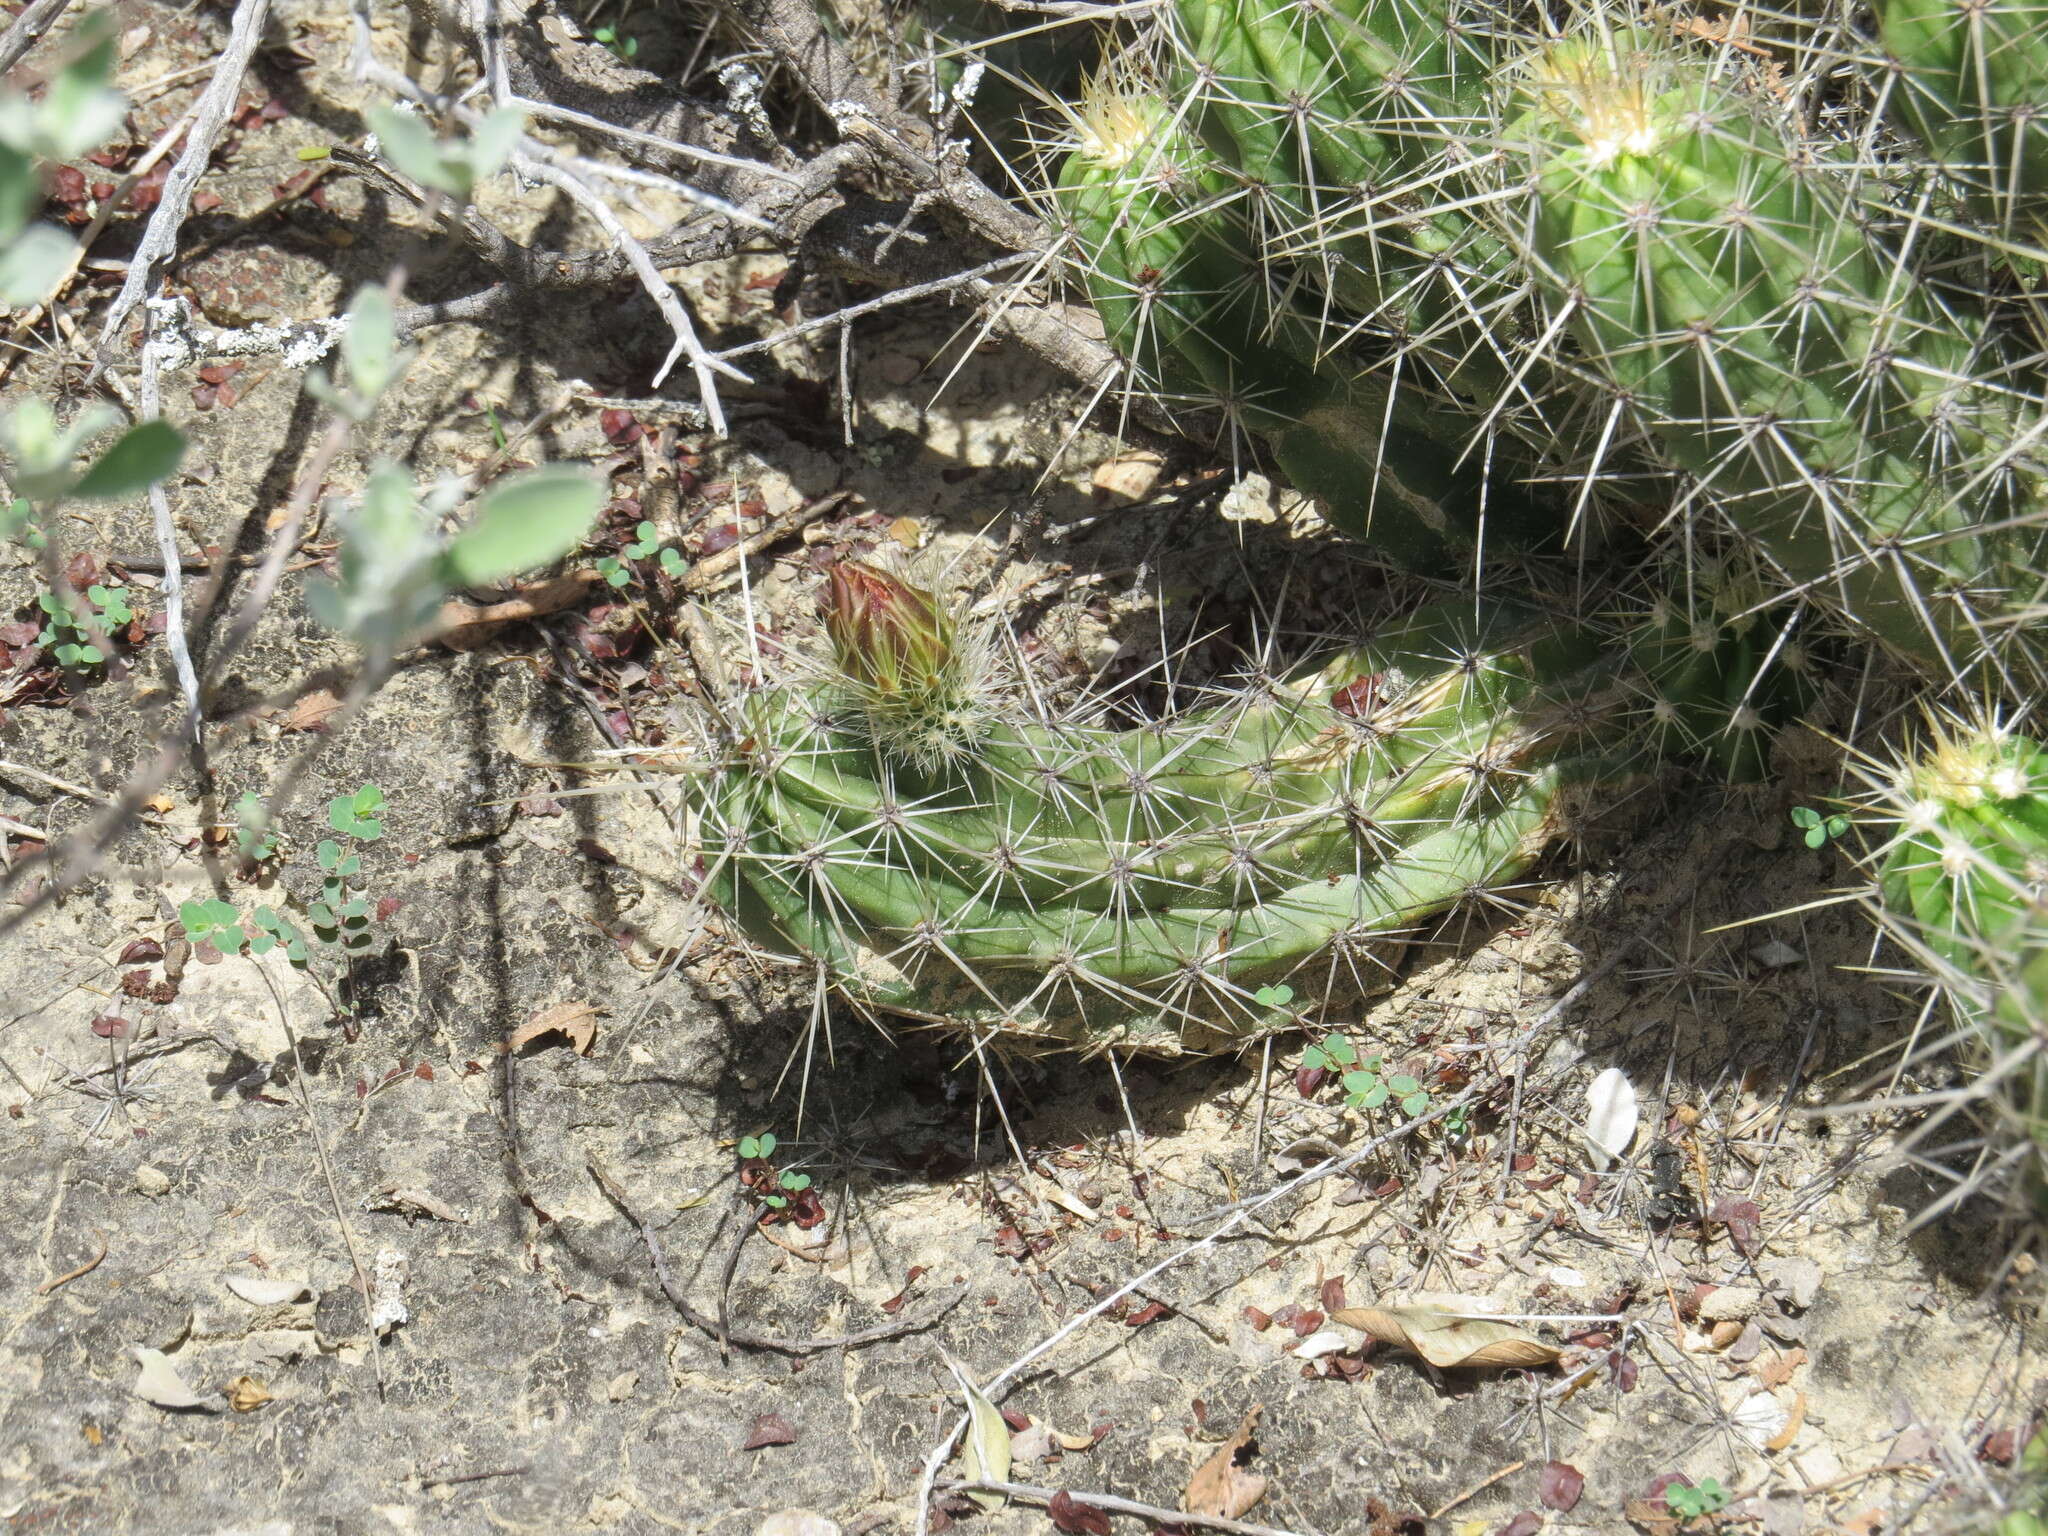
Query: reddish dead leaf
{"x": 1308, "y": 1079}
{"x": 1306, "y": 1323}
{"x": 141, "y": 952}
{"x": 1527, "y": 1523}
{"x": 1360, "y": 698}
{"x": 1560, "y": 1485}
{"x": 712, "y": 540}
{"x": 769, "y": 1429}
{"x": 423, "y": 1072}
{"x": 1148, "y": 1314}
{"x": 1742, "y": 1219}
{"x": 1999, "y": 1448}
{"x": 619, "y": 426}
{"x": 1260, "y": 1321}
{"x": 1331, "y": 1294}
{"x": 1622, "y": 1371}
{"x": 205, "y": 200}
{"x": 1075, "y": 1518}
{"x": 574, "y": 1020}
{"x": 386, "y": 907}
{"x": 111, "y": 1027}
{"x": 1223, "y": 1485}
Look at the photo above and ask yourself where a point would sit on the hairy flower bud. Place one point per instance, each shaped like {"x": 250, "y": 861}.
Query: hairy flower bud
{"x": 889, "y": 638}
{"x": 921, "y": 684}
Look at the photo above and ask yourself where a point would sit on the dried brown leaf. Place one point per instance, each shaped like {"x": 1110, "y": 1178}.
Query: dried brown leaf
{"x": 1222, "y": 1485}
{"x": 309, "y": 711}
{"x": 1451, "y": 1340}
{"x": 576, "y": 1021}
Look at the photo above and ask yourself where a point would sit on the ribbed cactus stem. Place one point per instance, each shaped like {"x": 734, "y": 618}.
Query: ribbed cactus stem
{"x": 1717, "y": 273}
{"x": 1066, "y": 884}
{"x": 1971, "y": 84}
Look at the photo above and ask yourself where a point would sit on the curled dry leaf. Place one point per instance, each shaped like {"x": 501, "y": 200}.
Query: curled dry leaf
{"x": 1451, "y": 1340}
{"x": 246, "y": 1394}
{"x": 159, "y": 1383}
{"x": 265, "y": 1290}
{"x": 1071, "y": 1516}
{"x": 985, "y": 1455}
{"x": 1222, "y": 1485}
{"x": 576, "y": 1021}
{"x": 1611, "y": 1115}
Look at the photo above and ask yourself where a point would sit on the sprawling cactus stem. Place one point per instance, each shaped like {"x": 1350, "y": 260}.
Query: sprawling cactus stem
{"x": 1068, "y": 885}
{"x": 1717, "y": 273}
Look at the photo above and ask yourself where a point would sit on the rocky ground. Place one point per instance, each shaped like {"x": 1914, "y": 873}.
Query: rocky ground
{"x": 204, "y": 1161}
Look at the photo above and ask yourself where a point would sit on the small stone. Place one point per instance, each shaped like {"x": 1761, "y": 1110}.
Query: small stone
{"x": 152, "y": 1181}
{"x": 621, "y": 1386}
{"x": 1797, "y": 1280}
{"x": 1748, "y": 1344}
{"x": 1128, "y": 479}
{"x": 798, "y": 1522}
{"x": 1734, "y": 1303}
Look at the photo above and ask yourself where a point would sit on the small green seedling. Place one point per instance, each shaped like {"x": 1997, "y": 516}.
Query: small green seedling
{"x": 253, "y": 835}
{"x": 71, "y": 642}
{"x": 623, "y": 48}
{"x": 1818, "y": 828}
{"x": 213, "y": 922}
{"x": 1705, "y": 1497}
{"x": 646, "y": 543}
{"x": 1276, "y": 996}
{"x": 1365, "y": 1084}
{"x": 761, "y": 1146}
{"x": 356, "y": 815}
{"x": 795, "y": 1183}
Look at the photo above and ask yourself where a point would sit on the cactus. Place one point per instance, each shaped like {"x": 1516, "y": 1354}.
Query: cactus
{"x": 1433, "y": 268}
{"x": 1971, "y": 85}
{"x": 1962, "y": 882}
{"x": 1165, "y": 888}
{"x": 1160, "y": 229}
{"x": 1717, "y": 273}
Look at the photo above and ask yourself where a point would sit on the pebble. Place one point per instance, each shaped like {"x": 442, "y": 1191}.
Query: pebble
{"x": 798, "y": 1522}
{"x": 1796, "y": 1279}
{"x": 152, "y": 1181}
{"x": 1731, "y": 1303}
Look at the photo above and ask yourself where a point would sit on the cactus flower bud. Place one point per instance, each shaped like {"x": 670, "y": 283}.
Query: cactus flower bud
{"x": 920, "y": 684}
{"x": 889, "y": 638}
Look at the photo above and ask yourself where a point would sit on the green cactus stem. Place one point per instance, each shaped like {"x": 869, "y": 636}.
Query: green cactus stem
{"x": 1159, "y": 230}
{"x": 1717, "y": 276}
{"x": 1164, "y": 888}
{"x": 1971, "y": 84}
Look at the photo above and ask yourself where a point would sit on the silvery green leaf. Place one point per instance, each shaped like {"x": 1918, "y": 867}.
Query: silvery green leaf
{"x": 523, "y": 523}
{"x": 139, "y": 458}
{"x": 370, "y": 347}
{"x": 492, "y": 141}
{"x": 408, "y": 143}
{"x": 17, "y": 189}
{"x": 32, "y": 263}
{"x": 78, "y": 112}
